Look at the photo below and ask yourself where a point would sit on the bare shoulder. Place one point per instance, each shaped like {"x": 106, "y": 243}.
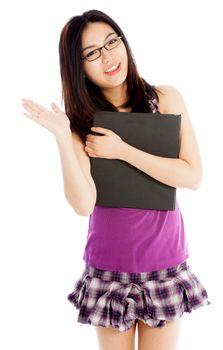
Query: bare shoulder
{"x": 172, "y": 102}
{"x": 170, "y": 99}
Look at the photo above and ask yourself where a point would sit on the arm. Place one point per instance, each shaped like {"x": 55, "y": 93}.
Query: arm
{"x": 170, "y": 171}
{"x": 185, "y": 171}
{"x": 79, "y": 187}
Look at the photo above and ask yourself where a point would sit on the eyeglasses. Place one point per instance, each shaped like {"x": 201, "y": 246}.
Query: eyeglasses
{"x": 110, "y": 45}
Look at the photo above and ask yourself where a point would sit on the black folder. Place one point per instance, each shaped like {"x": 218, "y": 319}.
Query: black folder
{"x": 120, "y": 184}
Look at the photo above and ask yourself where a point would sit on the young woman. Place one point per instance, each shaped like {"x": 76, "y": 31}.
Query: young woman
{"x": 136, "y": 269}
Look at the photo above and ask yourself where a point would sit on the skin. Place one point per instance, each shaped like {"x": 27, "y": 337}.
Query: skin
{"x": 149, "y": 338}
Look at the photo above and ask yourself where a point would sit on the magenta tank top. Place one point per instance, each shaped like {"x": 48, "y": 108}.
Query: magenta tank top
{"x": 135, "y": 240}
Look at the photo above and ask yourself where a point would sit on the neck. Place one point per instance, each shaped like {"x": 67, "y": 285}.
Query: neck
{"x": 116, "y": 95}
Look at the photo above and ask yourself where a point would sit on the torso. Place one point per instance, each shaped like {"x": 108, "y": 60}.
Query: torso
{"x": 135, "y": 239}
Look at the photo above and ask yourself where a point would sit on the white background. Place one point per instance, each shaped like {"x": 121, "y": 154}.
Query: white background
{"x": 42, "y": 239}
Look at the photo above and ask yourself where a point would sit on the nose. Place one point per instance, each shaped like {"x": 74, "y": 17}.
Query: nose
{"x": 106, "y": 55}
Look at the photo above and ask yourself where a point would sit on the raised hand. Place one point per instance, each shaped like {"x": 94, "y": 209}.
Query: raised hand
{"x": 56, "y": 122}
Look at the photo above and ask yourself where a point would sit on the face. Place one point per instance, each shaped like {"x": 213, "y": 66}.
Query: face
{"x": 95, "y": 34}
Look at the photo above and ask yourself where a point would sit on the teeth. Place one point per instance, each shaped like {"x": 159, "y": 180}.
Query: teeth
{"x": 112, "y": 68}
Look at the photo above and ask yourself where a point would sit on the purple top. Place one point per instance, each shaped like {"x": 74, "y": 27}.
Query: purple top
{"x": 135, "y": 240}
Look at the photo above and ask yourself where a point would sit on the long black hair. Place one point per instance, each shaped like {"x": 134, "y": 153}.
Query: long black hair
{"x": 82, "y": 98}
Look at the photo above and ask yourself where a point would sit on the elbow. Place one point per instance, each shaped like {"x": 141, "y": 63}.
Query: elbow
{"x": 196, "y": 182}
{"x": 195, "y": 186}
{"x": 91, "y": 208}
{"x": 83, "y": 213}
{"x": 86, "y": 211}
{"x": 82, "y": 210}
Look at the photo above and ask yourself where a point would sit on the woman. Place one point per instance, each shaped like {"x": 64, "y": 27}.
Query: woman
{"x": 136, "y": 269}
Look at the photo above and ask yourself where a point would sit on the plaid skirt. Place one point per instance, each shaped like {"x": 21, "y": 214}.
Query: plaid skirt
{"x": 117, "y": 299}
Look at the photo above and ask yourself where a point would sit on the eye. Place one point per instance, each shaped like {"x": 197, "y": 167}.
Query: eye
{"x": 92, "y": 53}
{"x": 112, "y": 41}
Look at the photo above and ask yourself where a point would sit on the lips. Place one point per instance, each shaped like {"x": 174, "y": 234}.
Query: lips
{"x": 114, "y": 72}
{"x": 111, "y": 67}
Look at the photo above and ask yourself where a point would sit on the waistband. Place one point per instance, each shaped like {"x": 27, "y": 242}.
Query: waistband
{"x": 138, "y": 277}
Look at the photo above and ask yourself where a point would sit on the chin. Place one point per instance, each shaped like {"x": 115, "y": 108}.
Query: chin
{"x": 116, "y": 82}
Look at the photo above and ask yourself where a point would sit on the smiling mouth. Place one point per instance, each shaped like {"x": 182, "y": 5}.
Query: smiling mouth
{"x": 114, "y": 71}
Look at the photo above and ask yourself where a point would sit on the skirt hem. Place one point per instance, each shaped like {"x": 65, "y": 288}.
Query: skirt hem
{"x": 149, "y": 321}
{"x": 155, "y": 301}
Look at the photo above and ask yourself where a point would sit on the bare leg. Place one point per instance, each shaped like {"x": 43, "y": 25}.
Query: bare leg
{"x": 112, "y": 339}
{"x": 161, "y": 338}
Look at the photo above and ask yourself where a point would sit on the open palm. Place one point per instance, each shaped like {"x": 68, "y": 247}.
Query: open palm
{"x": 56, "y": 122}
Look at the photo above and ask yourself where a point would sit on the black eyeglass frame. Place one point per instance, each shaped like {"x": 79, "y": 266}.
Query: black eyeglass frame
{"x": 100, "y": 48}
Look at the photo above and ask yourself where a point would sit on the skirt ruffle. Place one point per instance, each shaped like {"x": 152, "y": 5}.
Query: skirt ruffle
{"x": 111, "y": 303}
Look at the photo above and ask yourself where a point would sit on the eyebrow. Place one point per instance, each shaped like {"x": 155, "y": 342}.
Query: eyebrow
{"x": 88, "y": 47}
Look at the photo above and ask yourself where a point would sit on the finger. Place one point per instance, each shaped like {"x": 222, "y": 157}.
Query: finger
{"x": 89, "y": 143}
{"x": 90, "y": 138}
{"x": 31, "y": 110}
{"x": 31, "y": 117}
{"x": 101, "y": 130}
{"x": 55, "y": 108}
{"x": 35, "y": 106}
{"x": 88, "y": 149}
{"x": 27, "y": 115}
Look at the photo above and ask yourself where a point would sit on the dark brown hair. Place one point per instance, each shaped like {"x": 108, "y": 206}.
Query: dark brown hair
{"x": 82, "y": 98}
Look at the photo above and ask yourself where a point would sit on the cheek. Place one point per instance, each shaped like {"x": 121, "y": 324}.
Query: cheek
{"x": 93, "y": 71}
{"x": 125, "y": 59}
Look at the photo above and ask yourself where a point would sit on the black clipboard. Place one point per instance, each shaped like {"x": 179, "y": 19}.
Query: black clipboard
{"x": 120, "y": 184}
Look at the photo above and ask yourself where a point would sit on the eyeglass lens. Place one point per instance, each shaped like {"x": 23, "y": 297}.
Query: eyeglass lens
{"x": 111, "y": 44}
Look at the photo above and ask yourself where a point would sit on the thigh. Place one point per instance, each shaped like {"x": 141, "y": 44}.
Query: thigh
{"x": 110, "y": 338}
{"x": 160, "y": 338}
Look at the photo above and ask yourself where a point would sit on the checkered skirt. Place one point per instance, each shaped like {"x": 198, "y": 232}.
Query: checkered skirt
{"x": 116, "y": 299}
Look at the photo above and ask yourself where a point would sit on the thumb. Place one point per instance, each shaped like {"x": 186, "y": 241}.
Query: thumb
{"x": 55, "y": 108}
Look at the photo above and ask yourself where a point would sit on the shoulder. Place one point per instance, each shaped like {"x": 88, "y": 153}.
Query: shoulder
{"x": 172, "y": 102}
{"x": 170, "y": 99}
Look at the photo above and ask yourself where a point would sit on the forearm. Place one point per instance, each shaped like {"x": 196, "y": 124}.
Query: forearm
{"x": 174, "y": 172}
{"x": 76, "y": 187}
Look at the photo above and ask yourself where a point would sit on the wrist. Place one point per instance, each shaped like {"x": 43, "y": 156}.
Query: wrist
{"x": 123, "y": 150}
{"x": 60, "y": 136}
